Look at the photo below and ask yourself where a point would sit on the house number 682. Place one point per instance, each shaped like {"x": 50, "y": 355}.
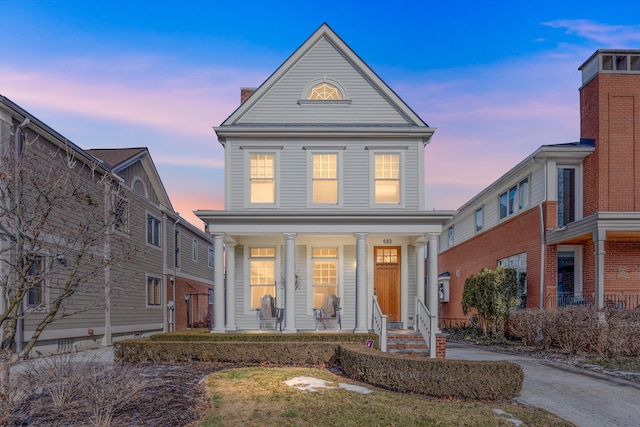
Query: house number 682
{"x": 387, "y": 241}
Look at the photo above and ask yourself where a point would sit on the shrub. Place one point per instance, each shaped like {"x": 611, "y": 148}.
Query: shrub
{"x": 493, "y": 295}
{"x": 526, "y": 326}
{"x": 479, "y": 380}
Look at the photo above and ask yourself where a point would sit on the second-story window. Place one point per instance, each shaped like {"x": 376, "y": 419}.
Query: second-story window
{"x": 262, "y": 178}
{"x": 325, "y": 178}
{"x": 153, "y": 230}
{"x": 479, "y": 219}
{"x": 566, "y": 195}
{"x": 387, "y": 178}
{"x": 515, "y": 199}
{"x": 195, "y": 249}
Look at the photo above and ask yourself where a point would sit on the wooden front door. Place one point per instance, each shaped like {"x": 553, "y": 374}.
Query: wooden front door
{"x": 386, "y": 281}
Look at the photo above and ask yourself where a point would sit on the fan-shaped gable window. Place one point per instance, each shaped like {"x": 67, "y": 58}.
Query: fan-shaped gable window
{"x": 325, "y": 91}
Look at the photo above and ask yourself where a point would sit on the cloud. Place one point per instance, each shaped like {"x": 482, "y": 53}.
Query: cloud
{"x": 608, "y": 36}
{"x": 141, "y": 91}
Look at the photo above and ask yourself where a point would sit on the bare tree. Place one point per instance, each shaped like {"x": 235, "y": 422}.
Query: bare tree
{"x": 59, "y": 210}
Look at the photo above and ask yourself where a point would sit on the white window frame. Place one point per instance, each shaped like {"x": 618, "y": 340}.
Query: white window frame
{"x": 158, "y": 237}
{"x": 517, "y": 198}
{"x": 401, "y": 153}
{"x": 339, "y": 273}
{"x": 275, "y": 152}
{"x": 577, "y": 256}
{"x": 210, "y": 260}
{"x": 247, "y": 256}
{"x": 450, "y": 236}
{"x": 478, "y": 227}
{"x": 311, "y": 152}
{"x": 194, "y": 249}
{"x": 578, "y": 189}
{"x": 519, "y": 263}
{"x": 158, "y": 283}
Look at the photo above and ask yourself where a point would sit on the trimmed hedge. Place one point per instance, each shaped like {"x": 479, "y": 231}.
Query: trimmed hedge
{"x": 205, "y": 335}
{"x": 277, "y": 354}
{"x": 478, "y": 380}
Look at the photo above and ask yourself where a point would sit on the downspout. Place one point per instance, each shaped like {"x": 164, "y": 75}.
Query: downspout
{"x": 18, "y": 154}
{"x": 543, "y": 245}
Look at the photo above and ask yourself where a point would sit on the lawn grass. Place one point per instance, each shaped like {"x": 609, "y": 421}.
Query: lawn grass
{"x": 258, "y": 397}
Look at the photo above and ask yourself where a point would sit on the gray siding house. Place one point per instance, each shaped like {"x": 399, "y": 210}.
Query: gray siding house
{"x": 123, "y": 297}
{"x": 324, "y": 195}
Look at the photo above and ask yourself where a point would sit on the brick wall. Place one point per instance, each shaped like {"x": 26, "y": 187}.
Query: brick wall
{"x": 514, "y": 236}
{"x": 199, "y": 295}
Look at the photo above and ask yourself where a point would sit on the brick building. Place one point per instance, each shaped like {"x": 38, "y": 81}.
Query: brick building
{"x": 567, "y": 217}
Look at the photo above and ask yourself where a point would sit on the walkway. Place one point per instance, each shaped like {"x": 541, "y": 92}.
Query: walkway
{"x": 583, "y": 398}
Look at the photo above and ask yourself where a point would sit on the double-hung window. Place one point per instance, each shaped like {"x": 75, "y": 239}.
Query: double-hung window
{"x": 211, "y": 259}
{"x": 324, "y": 178}
{"x": 325, "y": 274}
{"x": 387, "y": 178}
{"x": 35, "y": 279}
{"x": 479, "y": 220}
{"x": 153, "y": 230}
{"x": 262, "y": 178}
{"x": 154, "y": 296}
{"x": 515, "y": 199}
{"x": 262, "y": 274}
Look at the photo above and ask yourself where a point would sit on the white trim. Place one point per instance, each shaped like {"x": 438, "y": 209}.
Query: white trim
{"x": 248, "y": 311}
{"x": 401, "y": 152}
{"x": 148, "y": 213}
{"x": 340, "y": 274}
{"x": 249, "y": 151}
{"x": 136, "y": 179}
{"x": 304, "y": 95}
{"x": 579, "y": 187}
{"x": 577, "y": 267}
{"x": 339, "y": 177}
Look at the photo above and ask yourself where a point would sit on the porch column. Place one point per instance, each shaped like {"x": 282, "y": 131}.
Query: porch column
{"x": 230, "y": 280}
{"x": 599, "y": 237}
{"x": 361, "y": 283}
{"x": 432, "y": 290}
{"x": 218, "y": 284}
{"x": 290, "y": 282}
{"x": 419, "y": 270}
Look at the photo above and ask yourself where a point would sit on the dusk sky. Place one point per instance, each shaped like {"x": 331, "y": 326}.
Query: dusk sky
{"x": 496, "y": 78}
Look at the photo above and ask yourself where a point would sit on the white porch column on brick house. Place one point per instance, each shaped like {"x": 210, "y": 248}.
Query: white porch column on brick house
{"x": 419, "y": 270}
{"x": 218, "y": 284}
{"x": 599, "y": 237}
{"x": 230, "y": 279}
{"x": 290, "y": 282}
{"x": 432, "y": 290}
{"x": 361, "y": 283}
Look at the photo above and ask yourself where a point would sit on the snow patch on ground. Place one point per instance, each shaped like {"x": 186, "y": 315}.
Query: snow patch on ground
{"x": 313, "y": 384}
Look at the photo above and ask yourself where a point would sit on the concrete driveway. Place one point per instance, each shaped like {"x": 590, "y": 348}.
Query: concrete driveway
{"x": 584, "y": 398}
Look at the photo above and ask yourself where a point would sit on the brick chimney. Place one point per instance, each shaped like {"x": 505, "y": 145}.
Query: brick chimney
{"x": 610, "y": 115}
{"x": 245, "y": 93}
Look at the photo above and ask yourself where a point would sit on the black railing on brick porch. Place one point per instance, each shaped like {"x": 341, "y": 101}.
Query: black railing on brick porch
{"x": 611, "y": 300}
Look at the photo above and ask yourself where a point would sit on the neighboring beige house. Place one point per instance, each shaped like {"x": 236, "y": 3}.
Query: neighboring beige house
{"x": 125, "y": 299}
{"x": 324, "y": 175}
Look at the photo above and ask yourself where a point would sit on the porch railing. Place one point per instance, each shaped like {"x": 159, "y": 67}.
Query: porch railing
{"x": 611, "y": 300}
{"x": 379, "y": 323}
{"x": 423, "y": 321}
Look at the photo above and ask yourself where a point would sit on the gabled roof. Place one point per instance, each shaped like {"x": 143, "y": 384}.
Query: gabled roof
{"x": 121, "y": 158}
{"x": 406, "y": 121}
{"x": 114, "y": 156}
